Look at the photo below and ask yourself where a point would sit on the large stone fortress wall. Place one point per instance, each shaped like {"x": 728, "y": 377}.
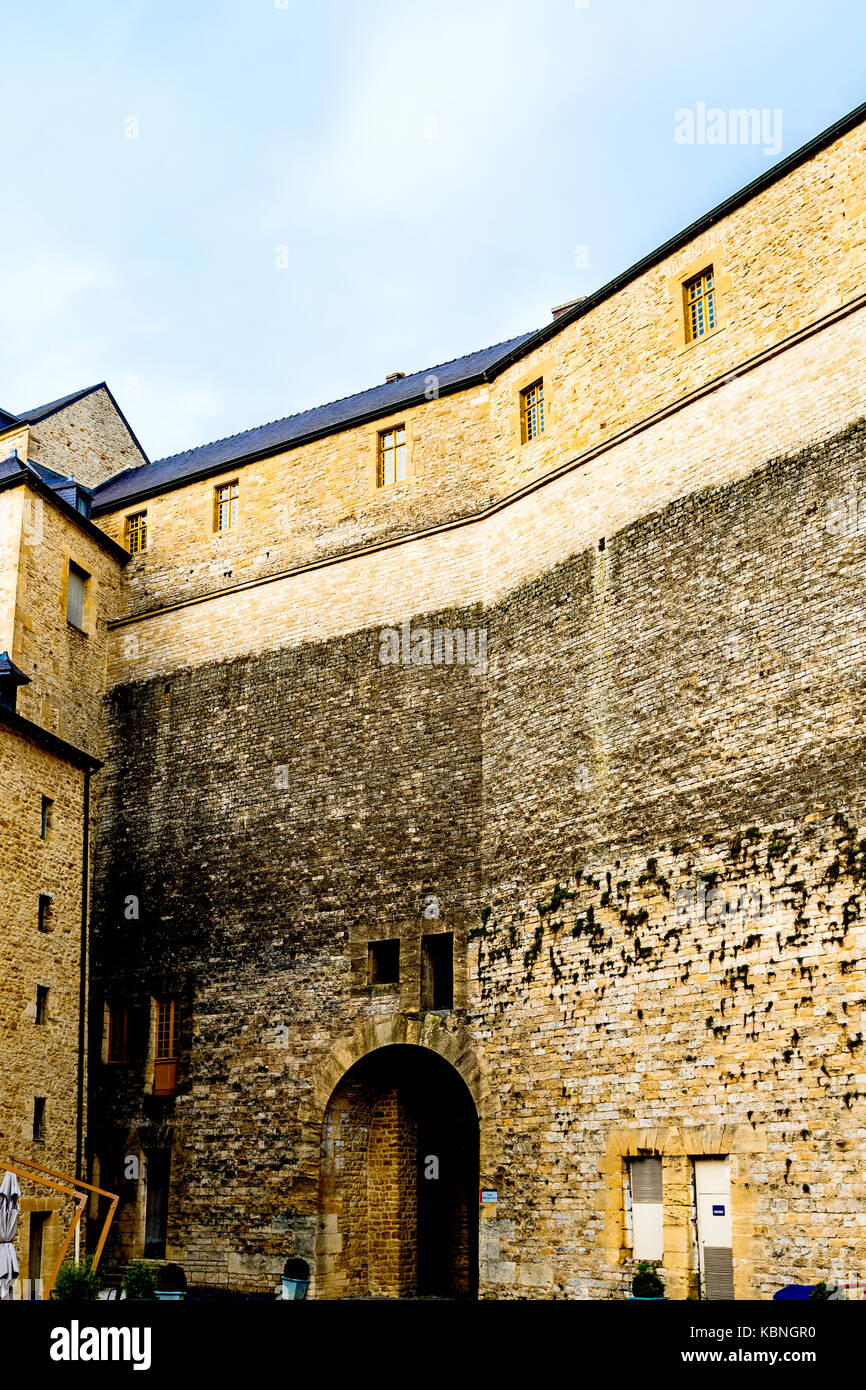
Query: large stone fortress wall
{"x": 641, "y": 820}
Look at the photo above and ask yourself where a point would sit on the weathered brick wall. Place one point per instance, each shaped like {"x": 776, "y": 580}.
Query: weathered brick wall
{"x": 791, "y": 255}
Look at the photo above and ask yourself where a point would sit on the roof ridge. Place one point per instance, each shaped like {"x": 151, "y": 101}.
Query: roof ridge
{"x": 338, "y": 400}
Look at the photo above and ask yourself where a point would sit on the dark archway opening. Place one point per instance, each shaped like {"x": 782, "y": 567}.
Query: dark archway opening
{"x": 399, "y": 1191}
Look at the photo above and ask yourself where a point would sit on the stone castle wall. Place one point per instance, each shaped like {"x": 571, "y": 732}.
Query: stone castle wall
{"x": 642, "y": 823}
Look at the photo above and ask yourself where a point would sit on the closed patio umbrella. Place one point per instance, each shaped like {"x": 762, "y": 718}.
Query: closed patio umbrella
{"x": 9, "y": 1194}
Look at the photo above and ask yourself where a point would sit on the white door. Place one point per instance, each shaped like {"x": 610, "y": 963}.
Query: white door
{"x": 713, "y": 1206}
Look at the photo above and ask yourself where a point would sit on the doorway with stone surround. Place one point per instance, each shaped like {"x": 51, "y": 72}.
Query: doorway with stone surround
{"x": 399, "y": 1180}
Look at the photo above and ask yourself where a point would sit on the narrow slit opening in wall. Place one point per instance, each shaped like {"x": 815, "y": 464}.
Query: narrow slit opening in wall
{"x": 44, "y": 912}
{"x": 437, "y": 971}
{"x": 383, "y": 962}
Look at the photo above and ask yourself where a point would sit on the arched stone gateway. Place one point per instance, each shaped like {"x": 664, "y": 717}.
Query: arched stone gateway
{"x": 399, "y": 1170}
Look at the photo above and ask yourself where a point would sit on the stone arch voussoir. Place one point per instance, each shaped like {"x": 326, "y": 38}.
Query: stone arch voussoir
{"x": 428, "y": 1031}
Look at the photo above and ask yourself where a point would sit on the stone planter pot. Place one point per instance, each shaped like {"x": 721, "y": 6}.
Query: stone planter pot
{"x": 294, "y": 1288}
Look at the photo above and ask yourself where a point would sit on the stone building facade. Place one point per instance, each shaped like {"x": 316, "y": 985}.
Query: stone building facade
{"x": 53, "y": 672}
{"x": 478, "y": 899}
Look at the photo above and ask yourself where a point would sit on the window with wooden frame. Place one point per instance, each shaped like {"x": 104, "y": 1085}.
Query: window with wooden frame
{"x": 699, "y": 297}
{"x": 532, "y": 411}
{"x": 118, "y": 1032}
{"x": 225, "y": 506}
{"x": 136, "y": 533}
{"x": 167, "y": 1047}
{"x": 75, "y": 594}
{"x": 392, "y": 455}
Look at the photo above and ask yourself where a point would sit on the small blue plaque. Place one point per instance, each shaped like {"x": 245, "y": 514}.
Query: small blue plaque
{"x": 718, "y": 1211}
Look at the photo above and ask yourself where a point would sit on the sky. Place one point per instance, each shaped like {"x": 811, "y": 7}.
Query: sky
{"x": 235, "y": 210}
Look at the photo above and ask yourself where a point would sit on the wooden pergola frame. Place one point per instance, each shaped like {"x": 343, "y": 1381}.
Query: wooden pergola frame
{"x": 26, "y": 1168}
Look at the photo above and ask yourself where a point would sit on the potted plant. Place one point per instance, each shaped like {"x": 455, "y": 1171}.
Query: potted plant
{"x": 170, "y": 1284}
{"x": 77, "y": 1283}
{"x": 138, "y": 1281}
{"x": 647, "y": 1285}
{"x": 296, "y": 1278}
{"x": 823, "y": 1290}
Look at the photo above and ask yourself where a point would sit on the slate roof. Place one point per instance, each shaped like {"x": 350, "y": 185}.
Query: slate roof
{"x": 10, "y": 672}
{"x": 138, "y": 483}
{"x": 40, "y": 412}
{"x": 322, "y": 420}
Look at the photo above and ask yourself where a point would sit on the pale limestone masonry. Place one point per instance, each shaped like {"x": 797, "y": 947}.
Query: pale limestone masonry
{"x": 800, "y": 396}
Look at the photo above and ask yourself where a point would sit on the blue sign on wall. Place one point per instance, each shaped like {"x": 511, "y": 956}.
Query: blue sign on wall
{"x": 718, "y": 1211}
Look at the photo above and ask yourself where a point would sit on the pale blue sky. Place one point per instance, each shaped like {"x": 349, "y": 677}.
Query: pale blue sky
{"x": 430, "y": 168}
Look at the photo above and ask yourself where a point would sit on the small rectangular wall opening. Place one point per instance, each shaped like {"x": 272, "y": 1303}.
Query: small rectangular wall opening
{"x": 437, "y": 971}
{"x": 383, "y": 962}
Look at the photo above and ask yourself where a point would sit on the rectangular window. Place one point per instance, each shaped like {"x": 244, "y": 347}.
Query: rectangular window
{"x": 117, "y": 1033}
{"x": 700, "y": 302}
{"x": 47, "y": 803}
{"x": 38, "y": 1118}
{"x": 392, "y": 455}
{"x": 41, "y": 1004}
{"x": 75, "y": 596}
{"x": 532, "y": 411}
{"x": 383, "y": 962}
{"x": 226, "y": 506}
{"x": 157, "y": 1174}
{"x": 44, "y": 912}
{"x": 437, "y": 971}
{"x": 645, "y": 1177}
{"x": 136, "y": 532}
{"x": 167, "y": 1046}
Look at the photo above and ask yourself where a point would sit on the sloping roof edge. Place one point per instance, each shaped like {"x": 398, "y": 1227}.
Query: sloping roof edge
{"x": 43, "y": 412}
{"x": 27, "y": 475}
{"x": 528, "y": 344}
{"x": 53, "y": 742}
